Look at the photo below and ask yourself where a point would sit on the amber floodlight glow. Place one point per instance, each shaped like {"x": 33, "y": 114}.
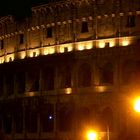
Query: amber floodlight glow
{"x": 137, "y": 105}
{"x": 91, "y": 135}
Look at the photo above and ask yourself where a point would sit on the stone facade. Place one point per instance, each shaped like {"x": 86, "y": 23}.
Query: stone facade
{"x": 70, "y": 66}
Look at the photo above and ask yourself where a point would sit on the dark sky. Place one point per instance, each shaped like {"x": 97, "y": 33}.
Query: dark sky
{"x": 19, "y": 7}
{"x": 15, "y": 7}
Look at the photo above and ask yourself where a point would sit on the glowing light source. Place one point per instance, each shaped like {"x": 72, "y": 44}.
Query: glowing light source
{"x": 88, "y": 45}
{"x": 137, "y": 105}
{"x": 101, "y": 88}
{"x": 22, "y": 55}
{"x": 46, "y": 52}
{"x": 65, "y": 48}
{"x": 112, "y": 43}
{"x": 1, "y": 60}
{"x": 125, "y": 43}
{"x": 50, "y": 117}
{"x": 30, "y": 94}
{"x": 31, "y": 54}
{"x": 51, "y": 50}
{"x": 80, "y": 47}
{"x": 34, "y": 53}
{"x": 68, "y": 90}
{"x": 61, "y": 49}
{"x": 70, "y": 48}
{"x": 109, "y": 42}
{"x": 9, "y": 57}
{"x": 101, "y": 44}
{"x": 91, "y": 135}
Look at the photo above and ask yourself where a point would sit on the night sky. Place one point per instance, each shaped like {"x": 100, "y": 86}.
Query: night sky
{"x": 19, "y": 8}
{"x": 15, "y": 7}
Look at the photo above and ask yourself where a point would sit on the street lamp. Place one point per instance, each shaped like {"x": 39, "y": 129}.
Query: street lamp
{"x": 137, "y": 109}
{"x": 137, "y": 105}
{"x": 91, "y": 135}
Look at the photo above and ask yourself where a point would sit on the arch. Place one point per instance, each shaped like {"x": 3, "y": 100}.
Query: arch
{"x": 9, "y": 78}
{"x": 48, "y": 78}
{"x": 83, "y": 117}
{"x": 32, "y": 80}
{"x": 129, "y": 69}
{"x": 65, "y": 77}
{"x": 65, "y": 117}
{"x": 20, "y": 82}
{"x": 47, "y": 117}
{"x": 106, "y": 74}
{"x": 84, "y": 111}
{"x": 84, "y": 75}
{"x": 18, "y": 117}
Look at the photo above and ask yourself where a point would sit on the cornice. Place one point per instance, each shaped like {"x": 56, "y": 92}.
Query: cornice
{"x": 6, "y": 19}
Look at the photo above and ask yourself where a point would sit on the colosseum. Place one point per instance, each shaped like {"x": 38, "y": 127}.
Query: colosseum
{"x": 73, "y": 65}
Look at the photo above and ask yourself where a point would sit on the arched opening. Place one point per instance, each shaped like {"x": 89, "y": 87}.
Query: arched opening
{"x": 20, "y": 81}
{"x": 84, "y": 75}
{"x": 18, "y": 117}
{"x": 106, "y": 74}
{"x": 32, "y": 80}
{"x": 65, "y": 117}
{"x": 30, "y": 118}
{"x": 128, "y": 71}
{"x": 9, "y": 78}
{"x": 83, "y": 117}
{"x": 47, "y": 117}
{"x": 48, "y": 77}
{"x": 65, "y": 77}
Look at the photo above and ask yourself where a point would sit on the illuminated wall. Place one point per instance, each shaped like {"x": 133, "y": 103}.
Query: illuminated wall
{"x": 52, "y": 30}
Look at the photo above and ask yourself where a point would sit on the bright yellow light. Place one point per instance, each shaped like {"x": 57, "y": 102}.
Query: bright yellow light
{"x": 22, "y": 55}
{"x": 137, "y": 105}
{"x": 70, "y": 48}
{"x": 68, "y": 90}
{"x": 46, "y": 52}
{"x": 1, "y": 60}
{"x": 125, "y": 43}
{"x": 88, "y": 45}
{"x": 61, "y": 49}
{"x": 112, "y": 43}
{"x": 101, "y": 44}
{"x": 91, "y": 135}
{"x": 80, "y": 47}
{"x": 51, "y": 50}
{"x": 34, "y": 53}
{"x": 101, "y": 88}
{"x": 10, "y": 58}
{"x": 66, "y": 48}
